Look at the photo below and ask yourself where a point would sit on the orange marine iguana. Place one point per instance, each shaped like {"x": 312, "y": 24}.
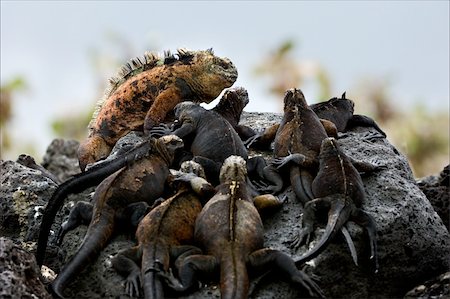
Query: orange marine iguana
{"x": 143, "y": 180}
{"x": 165, "y": 233}
{"x": 339, "y": 187}
{"x": 147, "y": 89}
{"x": 230, "y": 232}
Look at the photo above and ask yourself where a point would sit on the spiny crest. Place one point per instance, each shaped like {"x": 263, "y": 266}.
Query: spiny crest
{"x": 138, "y": 65}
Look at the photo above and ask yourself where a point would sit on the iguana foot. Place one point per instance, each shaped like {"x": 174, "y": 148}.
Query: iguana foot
{"x": 313, "y": 289}
{"x": 171, "y": 281}
{"x": 299, "y": 239}
{"x": 160, "y": 130}
{"x": 133, "y": 284}
{"x": 292, "y": 158}
{"x": 255, "y": 138}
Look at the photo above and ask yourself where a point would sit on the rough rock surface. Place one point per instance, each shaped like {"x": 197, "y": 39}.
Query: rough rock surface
{"x": 413, "y": 243}
{"x": 19, "y": 273}
{"x": 437, "y": 190}
{"x": 438, "y": 287}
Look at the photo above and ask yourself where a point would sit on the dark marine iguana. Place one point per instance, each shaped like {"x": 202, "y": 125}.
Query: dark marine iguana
{"x": 164, "y": 234}
{"x": 230, "y": 232}
{"x": 296, "y": 147}
{"x": 144, "y": 180}
{"x": 335, "y": 114}
{"x": 208, "y": 136}
{"x": 147, "y": 89}
{"x": 231, "y": 106}
{"x": 339, "y": 187}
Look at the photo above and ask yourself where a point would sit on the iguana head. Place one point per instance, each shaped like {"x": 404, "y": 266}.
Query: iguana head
{"x": 93, "y": 149}
{"x": 232, "y": 103}
{"x": 206, "y": 74}
{"x": 234, "y": 168}
{"x": 294, "y": 100}
{"x": 329, "y": 147}
{"x": 343, "y": 104}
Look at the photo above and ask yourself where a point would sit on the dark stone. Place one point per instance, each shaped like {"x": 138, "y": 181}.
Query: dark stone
{"x": 19, "y": 273}
{"x": 437, "y": 190}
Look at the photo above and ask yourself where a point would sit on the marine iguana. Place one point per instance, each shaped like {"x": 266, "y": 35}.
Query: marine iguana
{"x": 230, "y": 233}
{"x": 165, "y": 233}
{"x": 79, "y": 182}
{"x": 207, "y": 135}
{"x": 147, "y": 89}
{"x": 144, "y": 180}
{"x": 340, "y": 112}
{"x": 231, "y": 106}
{"x": 296, "y": 147}
{"x": 338, "y": 185}
{"x": 335, "y": 114}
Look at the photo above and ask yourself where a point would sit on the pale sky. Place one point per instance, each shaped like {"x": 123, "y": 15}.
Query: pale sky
{"x": 51, "y": 43}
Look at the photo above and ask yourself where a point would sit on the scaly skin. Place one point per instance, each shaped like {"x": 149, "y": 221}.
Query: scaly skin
{"x": 339, "y": 111}
{"x": 297, "y": 146}
{"x": 231, "y": 106}
{"x": 230, "y": 233}
{"x": 147, "y": 90}
{"x": 141, "y": 181}
{"x": 337, "y": 185}
{"x": 92, "y": 177}
{"x": 208, "y": 136}
{"x": 165, "y": 233}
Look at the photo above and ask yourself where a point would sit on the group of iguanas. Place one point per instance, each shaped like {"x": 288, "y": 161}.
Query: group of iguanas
{"x": 205, "y": 217}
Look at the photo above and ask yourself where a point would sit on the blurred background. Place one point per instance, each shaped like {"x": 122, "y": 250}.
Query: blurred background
{"x": 392, "y": 59}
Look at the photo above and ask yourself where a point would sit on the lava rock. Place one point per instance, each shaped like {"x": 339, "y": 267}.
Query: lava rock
{"x": 19, "y": 273}
{"x": 437, "y": 190}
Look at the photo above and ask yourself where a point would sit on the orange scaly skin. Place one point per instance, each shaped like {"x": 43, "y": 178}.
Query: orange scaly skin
{"x": 147, "y": 90}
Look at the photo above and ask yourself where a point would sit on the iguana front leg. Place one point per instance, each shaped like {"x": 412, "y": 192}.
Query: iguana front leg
{"x": 270, "y": 259}
{"x": 162, "y": 105}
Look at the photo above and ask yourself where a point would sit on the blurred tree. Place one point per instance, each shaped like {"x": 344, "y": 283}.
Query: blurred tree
{"x": 105, "y": 64}
{"x": 7, "y": 91}
{"x": 285, "y": 72}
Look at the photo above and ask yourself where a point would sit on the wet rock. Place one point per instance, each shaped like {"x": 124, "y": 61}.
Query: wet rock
{"x": 19, "y": 273}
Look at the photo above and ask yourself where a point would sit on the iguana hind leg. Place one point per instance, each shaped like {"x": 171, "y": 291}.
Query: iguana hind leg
{"x": 126, "y": 263}
{"x": 308, "y": 221}
{"x": 188, "y": 270}
{"x": 271, "y": 259}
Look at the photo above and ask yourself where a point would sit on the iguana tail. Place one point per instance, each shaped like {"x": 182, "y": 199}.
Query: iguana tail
{"x": 301, "y": 182}
{"x": 78, "y": 183}
{"x": 97, "y": 236}
{"x": 155, "y": 258}
{"x": 337, "y": 216}
{"x": 234, "y": 283}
